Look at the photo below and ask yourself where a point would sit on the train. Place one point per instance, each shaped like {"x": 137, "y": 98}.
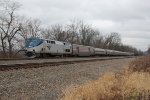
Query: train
{"x": 38, "y": 47}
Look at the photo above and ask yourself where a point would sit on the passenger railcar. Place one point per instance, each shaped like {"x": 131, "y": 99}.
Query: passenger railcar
{"x": 100, "y": 52}
{"x": 109, "y": 52}
{"x": 81, "y": 50}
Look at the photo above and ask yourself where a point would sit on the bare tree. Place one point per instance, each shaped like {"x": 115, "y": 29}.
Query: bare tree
{"x": 3, "y": 43}
{"x": 86, "y": 34}
{"x": 98, "y": 40}
{"x": 148, "y": 50}
{"x": 30, "y": 27}
{"x": 9, "y": 25}
{"x": 34, "y": 27}
{"x": 56, "y": 32}
{"x": 2, "y": 23}
{"x": 73, "y": 30}
{"x": 112, "y": 40}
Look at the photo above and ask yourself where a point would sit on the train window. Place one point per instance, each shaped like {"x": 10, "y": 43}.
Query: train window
{"x": 67, "y": 50}
{"x": 52, "y": 42}
{"x": 48, "y": 41}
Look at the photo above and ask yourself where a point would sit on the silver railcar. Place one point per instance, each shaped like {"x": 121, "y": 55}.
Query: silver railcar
{"x": 81, "y": 50}
{"x": 100, "y": 52}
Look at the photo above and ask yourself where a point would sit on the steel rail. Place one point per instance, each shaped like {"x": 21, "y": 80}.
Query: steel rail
{"x": 7, "y": 67}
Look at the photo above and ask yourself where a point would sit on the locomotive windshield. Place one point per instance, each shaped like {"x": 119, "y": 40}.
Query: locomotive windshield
{"x": 32, "y": 42}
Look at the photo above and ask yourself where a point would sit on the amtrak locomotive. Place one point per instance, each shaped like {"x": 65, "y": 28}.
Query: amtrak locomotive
{"x": 36, "y": 47}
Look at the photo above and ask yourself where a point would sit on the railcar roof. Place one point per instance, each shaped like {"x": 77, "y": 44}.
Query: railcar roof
{"x": 58, "y": 42}
{"x": 82, "y": 45}
{"x": 99, "y": 49}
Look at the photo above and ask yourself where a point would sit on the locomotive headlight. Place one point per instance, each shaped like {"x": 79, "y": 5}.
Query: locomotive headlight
{"x": 30, "y": 46}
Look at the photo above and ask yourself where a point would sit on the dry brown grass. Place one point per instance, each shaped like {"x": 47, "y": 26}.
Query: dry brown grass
{"x": 3, "y": 56}
{"x": 129, "y": 85}
{"x": 141, "y": 64}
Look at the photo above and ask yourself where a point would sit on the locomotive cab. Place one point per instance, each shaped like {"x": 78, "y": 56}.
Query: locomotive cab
{"x": 32, "y": 42}
{"x": 32, "y": 46}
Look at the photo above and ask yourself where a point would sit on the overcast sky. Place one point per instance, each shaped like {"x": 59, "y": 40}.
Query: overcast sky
{"x": 130, "y": 18}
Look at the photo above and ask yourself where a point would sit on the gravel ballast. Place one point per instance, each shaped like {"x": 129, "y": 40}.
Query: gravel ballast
{"x": 47, "y": 83}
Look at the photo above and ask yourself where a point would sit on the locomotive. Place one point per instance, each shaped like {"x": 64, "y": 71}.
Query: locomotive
{"x": 37, "y": 47}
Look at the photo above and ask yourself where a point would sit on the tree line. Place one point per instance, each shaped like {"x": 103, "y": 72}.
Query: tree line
{"x": 148, "y": 50}
{"x": 15, "y": 29}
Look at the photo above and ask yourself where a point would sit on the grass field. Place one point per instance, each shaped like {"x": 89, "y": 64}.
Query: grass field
{"x": 131, "y": 84}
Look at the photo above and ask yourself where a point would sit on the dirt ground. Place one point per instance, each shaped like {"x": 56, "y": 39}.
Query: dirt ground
{"x": 47, "y": 83}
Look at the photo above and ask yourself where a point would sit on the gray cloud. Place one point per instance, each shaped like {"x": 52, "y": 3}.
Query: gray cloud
{"x": 131, "y": 18}
{"x": 137, "y": 42}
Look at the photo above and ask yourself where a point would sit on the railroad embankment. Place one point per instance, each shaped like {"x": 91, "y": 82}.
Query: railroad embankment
{"x": 131, "y": 84}
{"x": 48, "y": 82}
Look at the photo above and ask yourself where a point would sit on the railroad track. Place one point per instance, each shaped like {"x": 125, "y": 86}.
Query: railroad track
{"x": 6, "y": 67}
{"x": 11, "y": 59}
